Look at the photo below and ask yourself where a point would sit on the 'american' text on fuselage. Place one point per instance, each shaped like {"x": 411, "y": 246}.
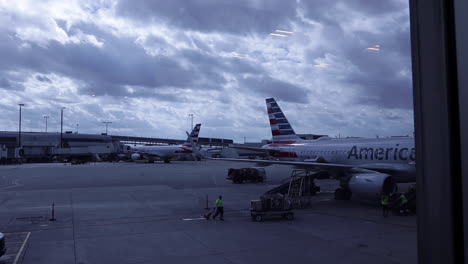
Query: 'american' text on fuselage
{"x": 392, "y": 153}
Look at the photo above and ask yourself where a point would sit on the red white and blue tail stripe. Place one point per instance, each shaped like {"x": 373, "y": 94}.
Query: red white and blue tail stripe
{"x": 193, "y": 135}
{"x": 281, "y": 130}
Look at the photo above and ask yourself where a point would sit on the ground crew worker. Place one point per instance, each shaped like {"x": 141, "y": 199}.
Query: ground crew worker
{"x": 403, "y": 204}
{"x": 219, "y": 208}
{"x": 384, "y": 201}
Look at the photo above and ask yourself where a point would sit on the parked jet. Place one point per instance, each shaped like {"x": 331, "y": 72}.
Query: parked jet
{"x": 167, "y": 152}
{"x": 364, "y": 167}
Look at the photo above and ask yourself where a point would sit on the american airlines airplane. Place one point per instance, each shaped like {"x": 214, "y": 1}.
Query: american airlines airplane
{"x": 169, "y": 151}
{"x": 365, "y": 167}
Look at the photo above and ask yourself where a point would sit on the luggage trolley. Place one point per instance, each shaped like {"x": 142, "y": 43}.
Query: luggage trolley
{"x": 271, "y": 206}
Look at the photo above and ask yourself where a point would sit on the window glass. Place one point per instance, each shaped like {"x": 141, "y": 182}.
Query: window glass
{"x": 145, "y": 96}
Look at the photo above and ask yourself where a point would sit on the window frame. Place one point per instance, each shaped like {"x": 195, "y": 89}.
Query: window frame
{"x": 440, "y": 127}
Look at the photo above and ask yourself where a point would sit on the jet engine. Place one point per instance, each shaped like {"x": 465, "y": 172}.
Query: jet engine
{"x": 371, "y": 184}
{"x": 135, "y": 156}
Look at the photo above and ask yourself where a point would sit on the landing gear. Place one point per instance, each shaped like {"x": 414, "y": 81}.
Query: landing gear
{"x": 167, "y": 160}
{"x": 343, "y": 194}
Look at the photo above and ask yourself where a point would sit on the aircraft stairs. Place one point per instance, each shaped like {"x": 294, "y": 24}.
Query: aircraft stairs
{"x": 298, "y": 188}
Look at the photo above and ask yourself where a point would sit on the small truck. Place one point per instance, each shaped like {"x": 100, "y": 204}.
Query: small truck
{"x": 10, "y": 155}
{"x": 246, "y": 174}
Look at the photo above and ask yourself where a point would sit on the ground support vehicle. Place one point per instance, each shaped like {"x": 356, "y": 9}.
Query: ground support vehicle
{"x": 271, "y": 206}
{"x": 246, "y": 174}
{"x": 298, "y": 189}
{"x": 10, "y": 155}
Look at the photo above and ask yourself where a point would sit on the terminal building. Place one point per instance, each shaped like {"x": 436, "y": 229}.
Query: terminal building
{"x": 38, "y": 146}
{"x": 41, "y": 146}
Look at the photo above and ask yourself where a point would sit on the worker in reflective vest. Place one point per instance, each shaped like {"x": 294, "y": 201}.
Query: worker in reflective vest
{"x": 219, "y": 208}
{"x": 384, "y": 201}
{"x": 403, "y": 204}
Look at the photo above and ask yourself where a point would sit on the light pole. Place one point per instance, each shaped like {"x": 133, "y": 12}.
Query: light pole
{"x": 107, "y": 123}
{"x": 46, "y": 117}
{"x": 77, "y": 125}
{"x": 191, "y": 123}
{"x": 19, "y": 130}
{"x": 61, "y": 126}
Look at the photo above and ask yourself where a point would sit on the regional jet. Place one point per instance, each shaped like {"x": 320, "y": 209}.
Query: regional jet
{"x": 365, "y": 167}
{"x": 167, "y": 152}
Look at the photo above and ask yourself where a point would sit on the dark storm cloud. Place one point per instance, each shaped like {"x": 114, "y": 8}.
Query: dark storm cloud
{"x": 377, "y": 74}
{"x": 120, "y": 63}
{"x": 184, "y": 64}
{"x": 380, "y": 81}
{"x": 270, "y": 87}
{"x": 43, "y": 79}
{"x": 237, "y": 17}
{"x": 375, "y": 8}
{"x": 9, "y": 82}
{"x": 107, "y": 70}
{"x": 327, "y": 11}
{"x": 4, "y": 83}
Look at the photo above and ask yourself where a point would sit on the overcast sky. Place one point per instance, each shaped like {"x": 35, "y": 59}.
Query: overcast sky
{"x": 145, "y": 65}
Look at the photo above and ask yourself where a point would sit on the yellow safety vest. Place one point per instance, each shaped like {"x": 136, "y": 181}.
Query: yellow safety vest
{"x": 219, "y": 203}
{"x": 385, "y": 200}
{"x": 403, "y": 199}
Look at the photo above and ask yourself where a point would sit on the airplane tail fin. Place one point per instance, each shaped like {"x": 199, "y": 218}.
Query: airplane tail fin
{"x": 195, "y": 151}
{"x": 193, "y": 136}
{"x": 281, "y": 130}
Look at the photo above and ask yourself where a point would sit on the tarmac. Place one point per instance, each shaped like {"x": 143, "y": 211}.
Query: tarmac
{"x": 152, "y": 213}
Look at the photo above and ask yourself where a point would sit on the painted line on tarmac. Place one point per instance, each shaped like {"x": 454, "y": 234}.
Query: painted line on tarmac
{"x": 14, "y": 183}
{"x": 194, "y": 219}
{"x": 4, "y": 188}
{"x": 22, "y": 247}
{"x": 44, "y": 207}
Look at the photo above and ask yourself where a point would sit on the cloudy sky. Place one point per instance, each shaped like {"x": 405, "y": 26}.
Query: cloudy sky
{"x": 145, "y": 65}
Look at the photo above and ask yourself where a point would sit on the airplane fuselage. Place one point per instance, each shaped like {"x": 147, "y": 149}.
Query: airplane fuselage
{"x": 395, "y": 151}
{"x": 165, "y": 151}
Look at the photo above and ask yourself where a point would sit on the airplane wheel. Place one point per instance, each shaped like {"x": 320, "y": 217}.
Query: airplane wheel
{"x": 338, "y": 194}
{"x": 258, "y": 218}
{"x": 347, "y": 194}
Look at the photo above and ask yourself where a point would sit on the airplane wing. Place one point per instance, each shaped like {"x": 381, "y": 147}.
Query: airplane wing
{"x": 305, "y": 164}
{"x": 255, "y": 149}
{"x": 383, "y": 168}
{"x": 392, "y": 169}
{"x": 211, "y": 149}
{"x": 145, "y": 153}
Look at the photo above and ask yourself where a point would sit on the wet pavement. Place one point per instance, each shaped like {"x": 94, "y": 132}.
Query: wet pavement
{"x": 151, "y": 213}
